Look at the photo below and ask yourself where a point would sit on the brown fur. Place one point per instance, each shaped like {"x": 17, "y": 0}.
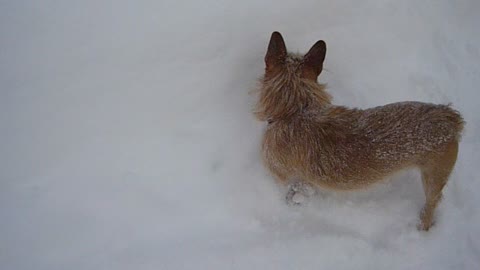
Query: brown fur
{"x": 340, "y": 148}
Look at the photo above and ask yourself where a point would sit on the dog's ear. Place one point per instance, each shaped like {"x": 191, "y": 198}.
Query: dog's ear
{"x": 276, "y": 53}
{"x": 313, "y": 60}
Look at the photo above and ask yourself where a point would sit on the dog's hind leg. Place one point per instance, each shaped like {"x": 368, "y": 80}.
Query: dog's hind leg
{"x": 435, "y": 173}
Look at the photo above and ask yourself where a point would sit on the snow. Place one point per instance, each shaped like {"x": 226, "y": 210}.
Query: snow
{"x": 128, "y": 141}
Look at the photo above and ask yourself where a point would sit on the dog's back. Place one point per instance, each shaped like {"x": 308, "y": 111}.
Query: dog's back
{"x": 345, "y": 148}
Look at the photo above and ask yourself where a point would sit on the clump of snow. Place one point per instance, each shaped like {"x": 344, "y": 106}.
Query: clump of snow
{"x": 128, "y": 141}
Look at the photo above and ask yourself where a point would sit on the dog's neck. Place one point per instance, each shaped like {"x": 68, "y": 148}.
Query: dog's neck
{"x": 285, "y": 96}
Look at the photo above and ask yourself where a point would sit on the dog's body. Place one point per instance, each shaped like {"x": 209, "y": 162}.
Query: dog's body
{"x": 310, "y": 140}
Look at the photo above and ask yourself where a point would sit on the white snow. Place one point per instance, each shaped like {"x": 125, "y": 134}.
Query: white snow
{"x": 127, "y": 139}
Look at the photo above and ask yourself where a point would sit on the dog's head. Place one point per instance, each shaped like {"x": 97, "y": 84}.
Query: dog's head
{"x": 278, "y": 60}
{"x": 289, "y": 85}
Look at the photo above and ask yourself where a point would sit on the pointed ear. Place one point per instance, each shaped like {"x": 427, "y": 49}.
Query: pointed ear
{"x": 277, "y": 51}
{"x": 313, "y": 60}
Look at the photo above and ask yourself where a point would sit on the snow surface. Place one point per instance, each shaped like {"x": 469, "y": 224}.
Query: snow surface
{"x": 127, "y": 139}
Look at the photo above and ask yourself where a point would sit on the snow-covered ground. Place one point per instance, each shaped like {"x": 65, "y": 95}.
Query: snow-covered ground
{"x": 127, "y": 139}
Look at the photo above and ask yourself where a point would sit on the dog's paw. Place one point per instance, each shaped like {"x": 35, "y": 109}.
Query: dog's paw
{"x": 298, "y": 193}
{"x": 299, "y": 198}
{"x": 424, "y": 226}
{"x": 294, "y": 197}
{"x": 289, "y": 197}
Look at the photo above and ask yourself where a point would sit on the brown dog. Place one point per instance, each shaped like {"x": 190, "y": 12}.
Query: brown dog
{"x": 309, "y": 141}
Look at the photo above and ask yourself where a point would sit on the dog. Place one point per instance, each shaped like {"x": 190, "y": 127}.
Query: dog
{"x": 310, "y": 143}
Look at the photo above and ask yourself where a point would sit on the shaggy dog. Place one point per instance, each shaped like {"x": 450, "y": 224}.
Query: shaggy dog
{"x": 309, "y": 142}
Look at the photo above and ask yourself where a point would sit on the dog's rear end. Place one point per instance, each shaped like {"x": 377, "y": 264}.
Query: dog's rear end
{"x": 415, "y": 134}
